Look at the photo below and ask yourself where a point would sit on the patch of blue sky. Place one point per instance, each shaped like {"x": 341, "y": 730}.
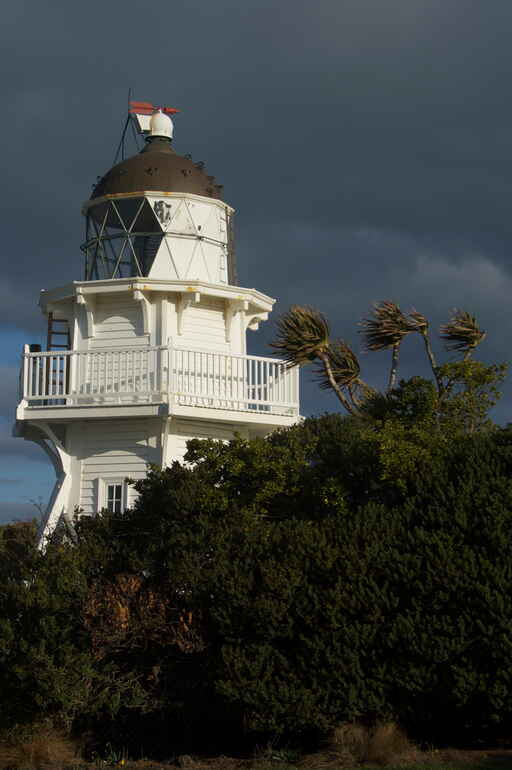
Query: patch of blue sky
{"x": 13, "y": 339}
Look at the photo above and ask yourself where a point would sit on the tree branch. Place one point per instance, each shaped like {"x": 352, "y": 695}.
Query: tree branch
{"x": 334, "y": 385}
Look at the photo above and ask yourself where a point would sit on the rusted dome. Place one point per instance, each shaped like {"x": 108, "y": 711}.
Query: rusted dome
{"x": 157, "y": 167}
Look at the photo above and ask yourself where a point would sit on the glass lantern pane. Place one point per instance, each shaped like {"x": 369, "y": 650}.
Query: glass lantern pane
{"x": 146, "y": 247}
{"x": 128, "y": 208}
{"x": 146, "y": 221}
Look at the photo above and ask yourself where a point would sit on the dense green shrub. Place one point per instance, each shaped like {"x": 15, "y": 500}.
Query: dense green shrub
{"x": 43, "y": 657}
{"x": 321, "y": 589}
{"x": 342, "y": 569}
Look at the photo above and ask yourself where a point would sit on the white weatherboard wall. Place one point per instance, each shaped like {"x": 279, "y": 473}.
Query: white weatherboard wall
{"x": 204, "y": 326}
{"x": 117, "y": 321}
{"x": 112, "y": 450}
{"x": 181, "y": 431}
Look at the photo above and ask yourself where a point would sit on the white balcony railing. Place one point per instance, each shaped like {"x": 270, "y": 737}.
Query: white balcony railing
{"x": 159, "y": 374}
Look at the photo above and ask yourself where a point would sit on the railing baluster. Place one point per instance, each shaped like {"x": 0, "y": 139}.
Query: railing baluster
{"x": 247, "y": 380}
{"x": 226, "y": 371}
{"x": 30, "y": 384}
{"x": 95, "y": 380}
{"x": 243, "y": 371}
{"x": 44, "y": 378}
{"x": 48, "y": 376}
{"x": 28, "y": 364}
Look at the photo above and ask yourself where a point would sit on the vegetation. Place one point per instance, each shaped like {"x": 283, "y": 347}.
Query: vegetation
{"x": 349, "y": 571}
{"x": 303, "y": 337}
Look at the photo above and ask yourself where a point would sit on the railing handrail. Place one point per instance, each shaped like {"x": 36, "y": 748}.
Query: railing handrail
{"x": 229, "y": 354}
{"x": 149, "y": 349}
{"x": 132, "y": 349}
{"x": 44, "y": 353}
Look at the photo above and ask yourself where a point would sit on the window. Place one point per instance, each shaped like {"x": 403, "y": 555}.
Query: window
{"x": 114, "y": 497}
{"x": 112, "y": 494}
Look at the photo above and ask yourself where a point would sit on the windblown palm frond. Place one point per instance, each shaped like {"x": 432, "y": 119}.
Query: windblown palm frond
{"x": 343, "y": 363}
{"x": 418, "y": 322}
{"x": 386, "y": 327}
{"x": 461, "y": 333}
{"x": 302, "y": 334}
{"x": 361, "y": 393}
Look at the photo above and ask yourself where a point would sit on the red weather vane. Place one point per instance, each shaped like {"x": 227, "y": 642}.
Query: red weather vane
{"x": 146, "y": 108}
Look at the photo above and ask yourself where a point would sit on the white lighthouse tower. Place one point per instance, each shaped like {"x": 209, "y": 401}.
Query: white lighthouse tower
{"x": 149, "y": 350}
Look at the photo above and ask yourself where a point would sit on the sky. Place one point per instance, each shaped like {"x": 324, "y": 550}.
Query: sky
{"x": 366, "y": 146}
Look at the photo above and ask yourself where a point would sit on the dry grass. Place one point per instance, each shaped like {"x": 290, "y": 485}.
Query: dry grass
{"x": 351, "y": 746}
{"x": 388, "y": 743}
{"x": 352, "y": 743}
{"x": 44, "y": 747}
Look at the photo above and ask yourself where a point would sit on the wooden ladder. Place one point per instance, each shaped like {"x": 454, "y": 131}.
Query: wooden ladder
{"x": 59, "y": 337}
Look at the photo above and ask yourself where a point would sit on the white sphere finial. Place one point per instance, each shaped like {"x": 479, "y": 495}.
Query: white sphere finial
{"x": 161, "y": 125}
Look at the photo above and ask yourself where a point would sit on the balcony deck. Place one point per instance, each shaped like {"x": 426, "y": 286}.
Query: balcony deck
{"x": 157, "y": 375}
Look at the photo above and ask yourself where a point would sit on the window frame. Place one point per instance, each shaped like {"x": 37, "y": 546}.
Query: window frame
{"x": 104, "y": 486}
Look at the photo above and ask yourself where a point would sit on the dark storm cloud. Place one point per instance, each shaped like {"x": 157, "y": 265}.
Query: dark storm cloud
{"x": 366, "y": 145}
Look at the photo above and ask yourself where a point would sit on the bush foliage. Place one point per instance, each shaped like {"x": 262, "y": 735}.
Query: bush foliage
{"x": 344, "y": 569}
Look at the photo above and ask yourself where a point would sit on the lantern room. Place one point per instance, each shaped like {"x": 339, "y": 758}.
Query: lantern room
{"x": 159, "y": 215}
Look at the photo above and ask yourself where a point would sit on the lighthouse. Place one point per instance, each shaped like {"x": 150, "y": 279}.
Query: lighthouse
{"x": 148, "y": 350}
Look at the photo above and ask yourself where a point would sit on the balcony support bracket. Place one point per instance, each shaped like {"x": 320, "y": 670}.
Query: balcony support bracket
{"x": 139, "y": 296}
{"x": 232, "y": 307}
{"x": 253, "y": 321}
{"x": 87, "y": 302}
{"x": 185, "y": 301}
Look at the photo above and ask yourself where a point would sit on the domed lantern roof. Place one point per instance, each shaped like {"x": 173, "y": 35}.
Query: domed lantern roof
{"x": 157, "y": 168}
{"x": 142, "y": 202}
